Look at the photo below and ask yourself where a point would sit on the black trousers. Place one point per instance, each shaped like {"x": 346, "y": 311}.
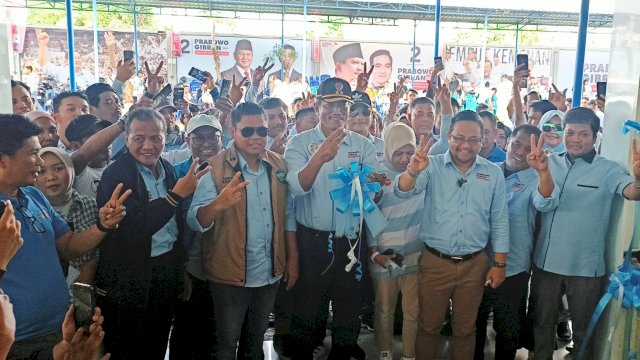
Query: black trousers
{"x": 322, "y": 278}
{"x": 508, "y": 316}
{"x": 143, "y": 332}
{"x": 194, "y": 325}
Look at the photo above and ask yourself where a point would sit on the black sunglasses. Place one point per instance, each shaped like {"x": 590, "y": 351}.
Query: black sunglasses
{"x": 553, "y": 128}
{"x": 249, "y": 131}
{"x": 364, "y": 111}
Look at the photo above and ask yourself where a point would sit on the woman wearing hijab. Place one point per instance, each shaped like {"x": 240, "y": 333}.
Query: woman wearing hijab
{"x": 398, "y": 272}
{"x": 553, "y": 130}
{"x": 56, "y": 182}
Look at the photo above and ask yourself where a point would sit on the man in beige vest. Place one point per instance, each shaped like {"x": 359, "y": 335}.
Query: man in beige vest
{"x": 241, "y": 210}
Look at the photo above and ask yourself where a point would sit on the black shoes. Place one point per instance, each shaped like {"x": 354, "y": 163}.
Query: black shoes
{"x": 564, "y": 331}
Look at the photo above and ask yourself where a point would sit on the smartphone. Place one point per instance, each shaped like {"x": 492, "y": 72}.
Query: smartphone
{"x": 523, "y": 59}
{"x": 224, "y": 88}
{"x": 162, "y": 95}
{"x": 3, "y": 206}
{"x": 202, "y": 166}
{"x": 84, "y": 303}
{"x": 601, "y": 89}
{"x": 128, "y": 55}
{"x": 198, "y": 74}
{"x": 437, "y": 60}
{"x": 178, "y": 93}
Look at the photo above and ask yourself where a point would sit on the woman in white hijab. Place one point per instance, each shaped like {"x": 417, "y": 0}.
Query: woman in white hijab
{"x": 553, "y": 130}
{"x": 81, "y": 212}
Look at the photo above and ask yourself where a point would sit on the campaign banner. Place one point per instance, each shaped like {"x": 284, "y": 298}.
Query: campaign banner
{"x": 472, "y": 66}
{"x": 240, "y": 54}
{"x": 596, "y": 68}
{"x": 391, "y": 62}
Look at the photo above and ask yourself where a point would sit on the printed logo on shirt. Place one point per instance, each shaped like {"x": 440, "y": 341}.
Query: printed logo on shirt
{"x": 353, "y": 154}
{"x": 380, "y": 154}
{"x": 483, "y": 177}
{"x": 517, "y": 187}
{"x": 227, "y": 179}
{"x": 313, "y": 148}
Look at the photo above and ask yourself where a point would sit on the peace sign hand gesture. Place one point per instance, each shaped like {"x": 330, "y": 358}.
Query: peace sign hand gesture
{"x": 420, "y": 159}
{"x": 113, "y": 212}
{"x": 557, "y": 98}
{"x": 363, "y": 79}
{"x": 231, "y": 194}
{"x": 537, "y": 158}
{"x": 330, "y": 146}
{"x": 154, "y": 81}
{"x": 235, "y": 91}
{"x": 260, "y": 72}
{"x": 394, "y": 98}
{"x": 307, "y": 101}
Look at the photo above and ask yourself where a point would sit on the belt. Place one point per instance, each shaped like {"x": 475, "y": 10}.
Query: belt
{"x": 453, "y": 258}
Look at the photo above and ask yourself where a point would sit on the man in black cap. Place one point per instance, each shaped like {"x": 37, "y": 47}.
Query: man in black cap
{"x": 287, "y": 57}
{"x": 360, "y": 118}
{"x": 330, "y": 252}
{"x": 175, "y": 136}
{"x": 349, "y": 63}
{"x": 243, "y": 55}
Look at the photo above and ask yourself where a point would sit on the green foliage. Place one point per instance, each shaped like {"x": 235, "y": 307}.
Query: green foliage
{"x": 333, "y": 29}
{"x": 106, "y": 20}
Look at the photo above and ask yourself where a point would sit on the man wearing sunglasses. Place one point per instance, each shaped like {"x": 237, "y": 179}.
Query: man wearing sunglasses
{"x": 326, "y": 236}
{"x": 360, "y": 118}
{"x": 245, "y": 252}
{"x": 465, "y": 210}
{"x": 590, "y": 182}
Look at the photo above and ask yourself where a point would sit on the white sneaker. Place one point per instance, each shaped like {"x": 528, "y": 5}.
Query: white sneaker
{"x": 386, "y": 355}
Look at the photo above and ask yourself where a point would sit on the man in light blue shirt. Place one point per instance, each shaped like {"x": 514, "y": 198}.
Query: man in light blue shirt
{"x": 325, "y": 236}
{"x": 490, "y": 150}
{"x": 569, "y": 255}
{"x": 244, "y": 253}
{"x": 465, "y": 207}
{"x": 529, "y": 189}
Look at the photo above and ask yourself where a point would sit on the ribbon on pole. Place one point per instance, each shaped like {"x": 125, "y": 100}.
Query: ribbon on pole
{"x": 629, "y": 125}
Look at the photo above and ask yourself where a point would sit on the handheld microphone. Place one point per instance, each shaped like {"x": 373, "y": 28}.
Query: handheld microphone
{"x": 461, "y": 182}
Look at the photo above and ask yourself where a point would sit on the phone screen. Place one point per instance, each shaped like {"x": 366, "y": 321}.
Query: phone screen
{"x": 83, "y": 303}
{"x": 437, "y": 60}
{"x": 224, "y": 88}
{"x": 202, "y": 166}
{"x": 178, "y": 94}
{"x": 601, "y": 88}
{"x": 522, "y": 59}
{"x": 198, "y": 74}
{"x": 162, "y": 95}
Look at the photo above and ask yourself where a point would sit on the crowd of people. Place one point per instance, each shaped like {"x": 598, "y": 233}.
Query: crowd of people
{"x": 194, "y": 224}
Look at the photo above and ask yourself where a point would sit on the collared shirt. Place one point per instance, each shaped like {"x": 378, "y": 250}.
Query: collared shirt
{"x": 523, "y": 199}
{"x": 86, "y": 183}
{"x": 497, "y": 155}
{"x": 259, "y": 221}
{"x": 379, "y": 145}
{"x": 163, "y": 240}
{"x": 571, "y": 240}
{"x": 182, "y": 168}
{"x": 314, "y": 208}
{"x": 34, "y": 280}
{"x": 242, "y": 71}
{"x": 462, "y": 210}
{"x": 83, "y": 214}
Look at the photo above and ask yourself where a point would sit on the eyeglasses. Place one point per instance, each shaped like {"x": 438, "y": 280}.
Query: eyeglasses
{"x": 249, "y": 131}
{"x": 201, "y": 140}
{"x": 557, "y": 128}
{"x": 34, "y": 224}
{"x": 459, "y": 140}
{"x": 363, "y": 112}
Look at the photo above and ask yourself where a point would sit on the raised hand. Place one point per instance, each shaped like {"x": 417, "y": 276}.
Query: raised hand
{"x": 187, "y": 184}
{"x": 379, "y": 177}
{"x": 10, "y": 239}
{"x": 110, "y": 39}
{"x": 154, "y": 80}
{"x": 308, "y": 101}
{"x": 235, "y": 90}
{"x": 42, "y": 36}
{"x": 231, "y": 195}
{"x": 519, "y": 74}
{"x": 420, "y": 159}
{"x": 557, "y": 98}
{"x": 330, "y": 146}
{"x": 209, "y": 82}
{"x": 80, "y": 344}
{"x": 279, "y": 144}
{"x": 394, "y": 98}
{"x": 113, "y": 212}
{"x": 260, "y": 72}
{"x": 125, "y": 70}
{"x": 537, "y": 158}
{"x": 363, "y": 79}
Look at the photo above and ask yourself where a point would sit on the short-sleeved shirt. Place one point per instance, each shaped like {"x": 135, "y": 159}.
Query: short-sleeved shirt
{"x": 34, "y": 280}
{"x": 497, "y": 155}
{"x": 571, "y": 240}
{"x": 379, "y": 145}
{"x": 314, "y": 208}
{"x": 462, "y": 210}
{"x": 86, "y": 183}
